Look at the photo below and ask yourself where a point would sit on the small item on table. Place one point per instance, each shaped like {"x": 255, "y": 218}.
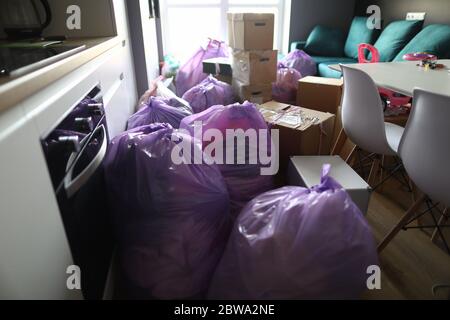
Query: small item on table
{"x": 426, "y": 60}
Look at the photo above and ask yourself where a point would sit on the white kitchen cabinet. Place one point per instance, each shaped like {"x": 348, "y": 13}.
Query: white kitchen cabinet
{"x": 34, "y": 251}
{"x": 116, "y": 107}
{"x": 123, "y": 31}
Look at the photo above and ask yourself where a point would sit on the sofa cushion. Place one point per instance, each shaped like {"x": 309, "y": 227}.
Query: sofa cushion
{"x": 359, "y": 33}
{"x": 325, "y": 41}
{"x": 434, "y": 39}
{"x": 395, "y": 37}
{"x": 333, "y": 60}
{"x": 323, "y": 69}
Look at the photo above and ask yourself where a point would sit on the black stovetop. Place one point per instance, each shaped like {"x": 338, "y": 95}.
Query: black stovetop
{"x": 17, "y": 60}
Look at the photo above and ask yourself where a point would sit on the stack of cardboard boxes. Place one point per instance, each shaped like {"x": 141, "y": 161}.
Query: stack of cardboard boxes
{"x": 253, "y": 60}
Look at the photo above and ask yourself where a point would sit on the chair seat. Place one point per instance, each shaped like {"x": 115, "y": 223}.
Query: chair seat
{"x": 393, "y": 134}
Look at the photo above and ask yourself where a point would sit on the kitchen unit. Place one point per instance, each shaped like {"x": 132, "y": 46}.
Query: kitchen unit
{"x": 37, "y": 263}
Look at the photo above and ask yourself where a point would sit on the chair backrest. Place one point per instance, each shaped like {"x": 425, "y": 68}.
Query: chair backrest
{"x": 424, "y": 147}
{"x": 362, "y": 112}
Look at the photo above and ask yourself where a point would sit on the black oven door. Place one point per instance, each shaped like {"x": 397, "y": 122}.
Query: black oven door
{"x": 83, "y": 206}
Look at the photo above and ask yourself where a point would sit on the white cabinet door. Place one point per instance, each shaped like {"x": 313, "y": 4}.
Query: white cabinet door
{"x": 117, "y": 107}
{"x": 34, "y": 252}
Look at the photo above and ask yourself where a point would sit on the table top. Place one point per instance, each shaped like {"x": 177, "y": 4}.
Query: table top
{"x": 405, "y": 76}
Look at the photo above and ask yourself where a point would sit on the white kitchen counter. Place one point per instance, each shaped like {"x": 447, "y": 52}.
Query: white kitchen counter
{"x": 14, "y": 90}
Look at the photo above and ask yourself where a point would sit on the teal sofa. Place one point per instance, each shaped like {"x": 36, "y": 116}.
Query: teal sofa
{"x": 331, "y": 46}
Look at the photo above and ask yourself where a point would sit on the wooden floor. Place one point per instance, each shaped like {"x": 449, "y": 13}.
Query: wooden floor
{"x": 411, "y": 264}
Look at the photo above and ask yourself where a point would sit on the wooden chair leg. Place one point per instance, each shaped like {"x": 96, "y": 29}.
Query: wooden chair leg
{"x": 383, "y": 164}
{"x": 339, "y": 144}
{"x": 373, "y": 171}
{"x": 350, "y": 159}
{"x": 414, "y": 191}
{"x": 401, "y": 223}
{"x": 442, "y": 220}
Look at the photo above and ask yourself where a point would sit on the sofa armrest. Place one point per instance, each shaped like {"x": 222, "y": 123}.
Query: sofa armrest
{"x": 300, "y": 45}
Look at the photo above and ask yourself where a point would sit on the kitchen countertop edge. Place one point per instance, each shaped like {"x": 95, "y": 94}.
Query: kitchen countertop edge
{"x": 15, "y": 90}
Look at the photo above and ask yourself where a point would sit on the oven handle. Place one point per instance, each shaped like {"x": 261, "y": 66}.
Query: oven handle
{"x": 72, "y": 185}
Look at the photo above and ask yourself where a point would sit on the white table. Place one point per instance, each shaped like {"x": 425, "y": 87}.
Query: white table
{"x": 404, "y": 76}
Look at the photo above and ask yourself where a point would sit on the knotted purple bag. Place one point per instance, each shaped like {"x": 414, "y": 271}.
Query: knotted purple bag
{"x": 285, "y": 89}
{"x": 209, "y": 92}
{"x": 297, "y": 243}
{"x": 191, "y": 73}
{"x": 162, "y": 110}
{"x": 300, "y": 61}
{"x": 171, "y": 220}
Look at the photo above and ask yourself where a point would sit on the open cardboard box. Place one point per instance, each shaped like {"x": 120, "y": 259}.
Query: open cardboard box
{"x": 301, "y": 131}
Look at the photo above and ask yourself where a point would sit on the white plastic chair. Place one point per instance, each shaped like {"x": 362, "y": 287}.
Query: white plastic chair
{"x": 363, "y": 117}
{"x": 425, "y": 152}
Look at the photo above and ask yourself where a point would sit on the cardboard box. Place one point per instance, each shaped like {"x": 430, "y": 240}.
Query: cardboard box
{"x": 251, "y": 31}
{"x": 254, "y": 67}
{"x": 322, "y": 94}
{"x": 256, "y": 93}
{"x": 302, "y": 131}
{"x": 218, "y": 66}
{"x": 305, "y": 171}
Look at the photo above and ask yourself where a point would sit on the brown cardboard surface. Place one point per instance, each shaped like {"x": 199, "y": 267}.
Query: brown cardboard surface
{"x": 256, "y": 93}
{"x": 255, "y": 66}
{"x": 322, "y": 94}
{"x": 312, "y": 136}
{"x": 251, "y": 31}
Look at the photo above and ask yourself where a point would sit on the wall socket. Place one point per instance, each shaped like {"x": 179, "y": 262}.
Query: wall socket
{"x": 416, "y": 15}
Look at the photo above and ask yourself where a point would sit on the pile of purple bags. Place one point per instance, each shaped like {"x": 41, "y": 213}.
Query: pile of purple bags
{"x": 297, "y": 243}
{"x": 159, "y": 110}
{"x": 171, "y": 220}
{"x": 209, "y": 92}
{"x": 244, "y": 181}
{"x": 172, "y": 214}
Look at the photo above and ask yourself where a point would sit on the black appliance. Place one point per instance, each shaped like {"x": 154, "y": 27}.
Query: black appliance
{"x": 21, "y": 18}
{"x": 74, "y": 151}
{"x": 16, "y": 61}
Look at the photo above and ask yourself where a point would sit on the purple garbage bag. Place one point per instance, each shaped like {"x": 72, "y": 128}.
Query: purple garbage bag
{"x": 297, "y": 243}
{"x": 161, "y": 110}
{"x": 243, "y": 178}
{"x": 171, "y": 220}
{"x": 300, "y": 61}
{"x": 191, "y": 73}
{"x": 285, "y": 89}
{"x": 209, "y": 92}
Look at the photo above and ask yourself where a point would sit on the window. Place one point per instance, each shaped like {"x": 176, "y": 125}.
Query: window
{"x": 186, "y": 24}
